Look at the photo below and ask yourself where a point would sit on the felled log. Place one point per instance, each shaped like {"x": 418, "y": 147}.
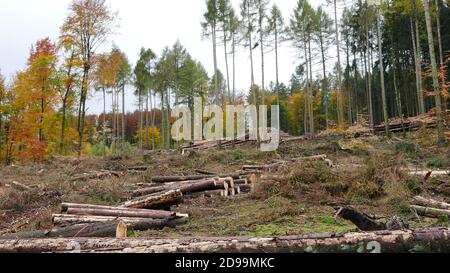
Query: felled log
{"x": 156, "y": 201}
{"x": 265, "y": 168}
{"x": 363, "y": 221}
{"x": 432, "y": 203}
{"x": 63, "y": 220}
{"x": 430, "y": 212}
{"x": 207, "y": 194}
{"x": 186, "y": 187}
{"x": 401, "y": 241}
{"x": 95, "y": 210}
{"x": 138, "y": 168}
{"x": 150, "y": 190}
{"x": 171, "y": 179}
{"x": 95, "y": 230}
{"x": 204, "y": 172}
{"x": 427, "y": 173}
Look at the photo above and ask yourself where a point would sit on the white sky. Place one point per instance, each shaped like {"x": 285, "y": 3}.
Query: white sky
{"x": 143, "y": 23}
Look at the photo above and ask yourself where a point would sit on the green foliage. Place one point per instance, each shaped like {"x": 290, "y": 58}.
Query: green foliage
{"x": 406, "y": 146}
{"x": 100, "y": 149}
{"x": 438, "y": 163}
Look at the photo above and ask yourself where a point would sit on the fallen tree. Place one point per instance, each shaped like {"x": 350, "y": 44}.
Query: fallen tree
{"x": 402, "y": 241}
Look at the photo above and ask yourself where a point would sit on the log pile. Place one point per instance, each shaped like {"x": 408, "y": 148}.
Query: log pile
{"x": 205, "y": 145}
{"x": 427, "y": 120}
{"x": 401, "y": 241}
{"x": 430, "y": 207}
{"x": 84, "y": 220}
{"x": 208, "y": 185}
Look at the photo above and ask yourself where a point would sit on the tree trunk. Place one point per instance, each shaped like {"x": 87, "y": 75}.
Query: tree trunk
{"x": 123, "y": 113}
{"x": 234, "y": 69}
{"x": 437, "y": 91}
{"x": 153, "y": 116}
{"x": 226, "y": 62}
{"x": 118, "y": 212}
{"x": 405, "y": 241}
{"x": 310, "y": 91}
{"x": 325, "y": 80}
{"x": 63, "y": 125}
{"x": 147, "y": 122}
{"x": 157, "y": 201}
{"x": 277, "y": 80}
{"x": 141, "y": 121}
{"x": 82, "y": 107}
{"x": 419, "y": 62}
{"x": 339, "y": 83}
{"x": 439, "y": 36}
{"x": 383, "y": 87}
{"x": 416, "y": 65}
{"x": 261, "y": 44}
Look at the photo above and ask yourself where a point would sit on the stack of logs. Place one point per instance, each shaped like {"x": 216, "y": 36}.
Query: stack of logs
{"x": 208, "y": 185}
{"x": 430, "y": 207}
{"x": 428, "y": 120}
{"x": 205, "y": 144}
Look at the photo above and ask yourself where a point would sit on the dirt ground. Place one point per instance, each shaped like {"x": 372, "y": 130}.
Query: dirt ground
{"x": 369, "y": 174}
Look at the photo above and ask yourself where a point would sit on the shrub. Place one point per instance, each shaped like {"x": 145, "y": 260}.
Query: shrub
{"x": 406, "y": 146}
{"x": 100, "y": 149}
{"x": 438, "y": 163}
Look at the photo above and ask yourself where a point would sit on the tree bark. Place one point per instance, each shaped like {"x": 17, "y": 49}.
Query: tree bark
{"x": 381, "y": 64}
{"x": 419, "y": 61}
{"x": 405, "y": 241}
{"x": 436, "y": 87}
{"x": 339, "y": 87}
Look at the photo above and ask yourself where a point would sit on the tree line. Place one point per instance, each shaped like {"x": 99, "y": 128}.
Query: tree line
{"x": 376, "y": 62}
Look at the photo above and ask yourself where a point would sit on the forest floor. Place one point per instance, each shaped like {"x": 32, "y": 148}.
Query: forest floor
{"x": 369, "y": 174}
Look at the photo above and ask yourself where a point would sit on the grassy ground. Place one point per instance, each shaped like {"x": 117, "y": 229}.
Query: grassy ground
{"x": 300, "y": 199}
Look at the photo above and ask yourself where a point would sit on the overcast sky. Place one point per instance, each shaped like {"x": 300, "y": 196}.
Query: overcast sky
{"x": 143, "y": 23}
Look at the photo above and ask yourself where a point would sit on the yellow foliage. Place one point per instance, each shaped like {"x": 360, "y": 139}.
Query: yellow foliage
{"x": 151, "y": 131}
